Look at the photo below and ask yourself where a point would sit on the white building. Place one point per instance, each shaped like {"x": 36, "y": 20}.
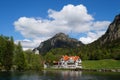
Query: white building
{"x": 70, "y": 62}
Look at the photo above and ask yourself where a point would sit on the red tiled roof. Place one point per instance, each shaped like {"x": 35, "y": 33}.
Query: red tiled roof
{"x": 65, "y": 58}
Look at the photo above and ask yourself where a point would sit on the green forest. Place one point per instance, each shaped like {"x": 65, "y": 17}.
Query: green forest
{"x": 93, "y": 51}
{"x": 12, "y": 56}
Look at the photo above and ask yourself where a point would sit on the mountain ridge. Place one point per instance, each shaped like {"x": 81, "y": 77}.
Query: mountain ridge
{"x": 60, "y": 40}
{"x": 105, "y": 47}
{"x": 112, "y": 33}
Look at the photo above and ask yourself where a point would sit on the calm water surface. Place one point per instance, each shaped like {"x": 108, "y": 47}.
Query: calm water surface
{"x": 59, "y": 75}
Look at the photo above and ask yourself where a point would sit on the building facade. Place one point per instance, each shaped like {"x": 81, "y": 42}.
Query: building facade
{"x": 70, "y": 62}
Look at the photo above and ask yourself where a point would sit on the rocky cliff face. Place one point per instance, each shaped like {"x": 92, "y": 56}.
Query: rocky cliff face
{"x": 113, "y": 32}
{"x": 60, "y": 40}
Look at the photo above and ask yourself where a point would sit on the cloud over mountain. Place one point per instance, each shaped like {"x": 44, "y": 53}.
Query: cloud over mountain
{"x": 69, "y": 18}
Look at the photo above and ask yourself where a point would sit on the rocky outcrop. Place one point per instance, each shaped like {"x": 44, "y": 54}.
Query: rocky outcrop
{"x": 113, "y": 32}
{"x": 60, "y": 40}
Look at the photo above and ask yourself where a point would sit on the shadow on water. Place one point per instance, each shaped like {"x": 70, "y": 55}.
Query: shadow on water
{"x": 59, "y": 75}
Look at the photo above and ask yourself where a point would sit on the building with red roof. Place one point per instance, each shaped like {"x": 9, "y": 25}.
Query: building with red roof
{"x": 70, "y": 62}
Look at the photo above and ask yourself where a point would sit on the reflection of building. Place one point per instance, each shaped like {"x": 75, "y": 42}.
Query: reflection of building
{"x": 73, "y": 75}
{"x": 70, "y": 62}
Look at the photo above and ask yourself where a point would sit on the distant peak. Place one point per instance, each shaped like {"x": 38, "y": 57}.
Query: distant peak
{"x": 117, "y": 17}
{"x": 61, "y": 35}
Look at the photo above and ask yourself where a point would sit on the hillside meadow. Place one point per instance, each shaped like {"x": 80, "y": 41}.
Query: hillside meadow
{"x": 101, "y": 64}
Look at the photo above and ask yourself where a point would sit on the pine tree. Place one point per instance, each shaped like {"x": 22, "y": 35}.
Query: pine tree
{"x": 20, "y": 58}
{"x": 6, "y": 52}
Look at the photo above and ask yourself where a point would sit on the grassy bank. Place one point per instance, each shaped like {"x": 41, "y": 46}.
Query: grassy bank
{"x": 101, "y": 64}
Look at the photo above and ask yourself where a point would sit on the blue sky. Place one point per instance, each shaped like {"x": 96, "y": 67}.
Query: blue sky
{"x": 33, "y": 21}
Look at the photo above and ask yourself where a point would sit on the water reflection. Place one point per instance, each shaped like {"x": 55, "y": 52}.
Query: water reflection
{"x": 59, "y": 75}
{"x": 79, "y": 75}
{"x": 70, "y": 75}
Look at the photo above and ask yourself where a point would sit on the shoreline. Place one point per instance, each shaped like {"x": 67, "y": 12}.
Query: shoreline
{"x": 100, "y": 70}
{"x": 89, "y": 70}
{"x": 71, "y": 69}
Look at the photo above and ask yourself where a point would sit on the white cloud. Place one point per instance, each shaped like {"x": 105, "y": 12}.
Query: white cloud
{"x": 71, "y": 13}
{"x": 69, "y": 18}
{"x": 100, "y": 25}
{"x": 91, "y": 36}
{"x": 29, "y": 44}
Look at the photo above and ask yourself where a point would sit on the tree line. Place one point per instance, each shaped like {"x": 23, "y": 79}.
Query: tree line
{"x": 12, "y": 57}
{"x": 94, "y": 51}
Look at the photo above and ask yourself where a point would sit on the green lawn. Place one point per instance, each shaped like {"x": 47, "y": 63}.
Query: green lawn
{"x": 101, "y": 64}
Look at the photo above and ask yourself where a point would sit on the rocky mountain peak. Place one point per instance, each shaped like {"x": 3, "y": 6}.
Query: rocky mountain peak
{"x": 113, "y": 32}
{"x": 60, "y": 40}
{"x": 117, "y": 18}
{"x": 61, "y": 35}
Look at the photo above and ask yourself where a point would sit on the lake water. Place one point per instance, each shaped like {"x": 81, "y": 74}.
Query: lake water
{"x": 59, "y": 75}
